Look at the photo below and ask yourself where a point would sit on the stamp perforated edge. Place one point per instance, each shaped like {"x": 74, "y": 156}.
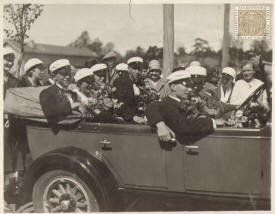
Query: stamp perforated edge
{"x": 247, "y": 7}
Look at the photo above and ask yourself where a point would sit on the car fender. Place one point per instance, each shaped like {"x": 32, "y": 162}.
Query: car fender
{"x": 75, "y": 160}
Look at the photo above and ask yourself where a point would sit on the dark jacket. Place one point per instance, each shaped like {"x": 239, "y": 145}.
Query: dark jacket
{"x": 125, "y": 93}
{"x": 169, "y": 111}
{"x": 25, "y": 82}
{"x": 55, "y": 104}
{"x": 12, "y": 82}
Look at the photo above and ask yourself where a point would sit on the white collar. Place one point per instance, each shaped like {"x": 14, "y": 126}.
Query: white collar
{"x": 175, "y": 98}
{"x": 32, "y": 82}
{"x": 59, "y": 86}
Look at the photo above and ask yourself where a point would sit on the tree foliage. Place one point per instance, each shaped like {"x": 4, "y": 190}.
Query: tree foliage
{"x": 20, "y": 18}
{"x": 95, "y": 45}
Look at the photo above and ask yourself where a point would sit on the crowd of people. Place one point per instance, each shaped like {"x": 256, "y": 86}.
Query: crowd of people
{"x": 181, "y": 104}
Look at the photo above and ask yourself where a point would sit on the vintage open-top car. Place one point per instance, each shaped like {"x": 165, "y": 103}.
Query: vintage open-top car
{"x": 85, "y": 167}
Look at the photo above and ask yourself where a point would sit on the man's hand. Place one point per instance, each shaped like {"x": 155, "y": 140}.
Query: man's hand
{"x": 164, "y": 132}
{"x": 219, "y": 121}
{"x": 138, "y": 119}
{"x": 82, "y": 109}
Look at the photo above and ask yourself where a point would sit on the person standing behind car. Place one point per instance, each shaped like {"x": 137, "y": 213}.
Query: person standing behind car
{"x": 110, "y": 60}
{"x": 127, "y": 91}
{"x": 154, "y": 80}
{"x": 8, "y": 61}
{"x": 33, "y": 68}
{"x": 55, "y": 100}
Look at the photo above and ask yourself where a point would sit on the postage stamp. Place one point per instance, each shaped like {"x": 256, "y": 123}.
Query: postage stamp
{"x": 252, "y": 22}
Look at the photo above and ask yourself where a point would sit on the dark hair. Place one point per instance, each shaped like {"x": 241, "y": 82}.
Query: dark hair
{"x": 89, "y": 79}
{"x": 29, "y": 71}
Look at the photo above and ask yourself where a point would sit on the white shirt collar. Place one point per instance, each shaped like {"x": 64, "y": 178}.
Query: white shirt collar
{"x": 175, "y": 98}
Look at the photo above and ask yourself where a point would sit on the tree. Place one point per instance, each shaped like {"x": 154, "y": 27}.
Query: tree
{"x": 82, "y": 41}
{"x": 20, "y": 17}
{"x": 181, "y": 51}
{"x": 235, "y": 50}
{"x": 259, "y": 47}
{"x": 201, "y": 48}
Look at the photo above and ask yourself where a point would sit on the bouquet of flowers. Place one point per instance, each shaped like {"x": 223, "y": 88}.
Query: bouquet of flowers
{"x": 202, "y": 105}
{"x": 253, "y": 116}
{"x": 103, "y": 102}
{"x": 147, "y": 96}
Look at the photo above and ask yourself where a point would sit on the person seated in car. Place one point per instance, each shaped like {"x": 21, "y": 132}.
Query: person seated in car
{"x": 245, "y": 87}
{"x": 84, "y": 79}
{"x": 169, "y": 117}
{"x": 127, "y": 92}
{"x": 154, "y": 79}
{"x": 198, "y": 78}
{"x": 56, "y": 101}
{"x": 225, "y": 88}
{"x": 203, "y": 91}
{"x": 120, "y": 69}
{"x": 100, "y": 71}
{"x": 33, "y": 68}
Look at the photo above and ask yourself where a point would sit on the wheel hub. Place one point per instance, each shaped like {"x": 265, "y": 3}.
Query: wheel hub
{"x": 67, "y": 203}
{"x": 64, "y": 195}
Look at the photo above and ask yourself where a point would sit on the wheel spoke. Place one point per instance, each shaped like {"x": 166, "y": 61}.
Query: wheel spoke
{"x": 63, "y": 191}
{"x": 81, "y": 205}
{"x": 54, "y": 200}
{"x": 78, "y": 196}
{"x": 73, "y": 191}
{"x": 56, "y": 209}
{"x": 78, "y": 210}
{"x": 57, "y": 193}
{"x": 68, "y": 188}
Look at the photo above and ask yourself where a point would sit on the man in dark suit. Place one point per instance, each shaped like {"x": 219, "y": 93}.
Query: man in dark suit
{"x": 110, "y": 60}
{"x": 33, "y": 68}
{"x": 170, "y": 119}
{"x": 55, "y": 100}
{"x": 127, "y": 92}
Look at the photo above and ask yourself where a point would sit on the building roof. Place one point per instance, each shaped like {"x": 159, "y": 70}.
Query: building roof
{"x": 52, "y": 49}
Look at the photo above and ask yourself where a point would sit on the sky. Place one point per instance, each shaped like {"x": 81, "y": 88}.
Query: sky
{"x": 129, "y": 27}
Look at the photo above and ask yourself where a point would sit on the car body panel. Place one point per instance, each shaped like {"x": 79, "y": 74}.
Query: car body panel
{"x": 231, "y": 162}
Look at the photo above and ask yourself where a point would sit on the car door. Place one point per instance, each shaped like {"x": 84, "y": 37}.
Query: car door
{"x": 229, "y": 161}
{"x": 134, "y": 154}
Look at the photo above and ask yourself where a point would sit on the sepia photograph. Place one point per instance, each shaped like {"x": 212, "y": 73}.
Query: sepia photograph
{"x": 130, "y": 106}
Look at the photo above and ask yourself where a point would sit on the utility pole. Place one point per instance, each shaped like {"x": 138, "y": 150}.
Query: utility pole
{"x": 168, "y": 39}
{"x": 226, "y": 38}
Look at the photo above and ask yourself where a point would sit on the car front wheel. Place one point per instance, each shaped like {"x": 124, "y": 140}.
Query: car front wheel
{"x": 63, "y": 191}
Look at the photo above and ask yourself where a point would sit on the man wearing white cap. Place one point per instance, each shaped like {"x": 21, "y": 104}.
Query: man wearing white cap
{"x": 8, "y": 60}
{"x": 99, "y": 71}
{"x": 120, "y": 69}
{"x": 168, "y": 112}
{"x": 55, "y": 101}
{"x": 127, "y": 92}
{"x": 195, "y": 63}
{"x": 84, "y": 80}
{"x": 33, "y": 68}
{"x": 110, "y": 60}
{"x": 245, "y": 87}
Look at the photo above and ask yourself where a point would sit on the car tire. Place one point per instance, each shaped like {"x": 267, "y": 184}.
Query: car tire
{"x": 63, "y": 191}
